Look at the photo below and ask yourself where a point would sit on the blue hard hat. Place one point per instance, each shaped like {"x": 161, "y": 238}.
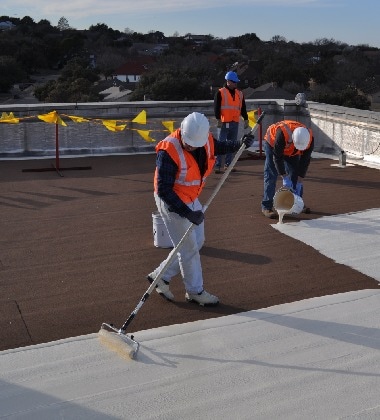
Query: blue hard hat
{"x": 231, "y": 75}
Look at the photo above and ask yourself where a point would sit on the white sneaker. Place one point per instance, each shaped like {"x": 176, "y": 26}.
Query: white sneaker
{"x": 162, "y": 288}
{"x": 203, "y": 298}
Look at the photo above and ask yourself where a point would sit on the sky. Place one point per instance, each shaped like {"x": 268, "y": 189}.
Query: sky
{"x": 352, "y": 22}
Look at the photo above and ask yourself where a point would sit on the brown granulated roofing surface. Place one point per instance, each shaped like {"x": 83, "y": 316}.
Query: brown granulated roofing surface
{"x": 75, "y": 249}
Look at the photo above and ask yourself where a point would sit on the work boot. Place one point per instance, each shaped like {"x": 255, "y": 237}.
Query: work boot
{"x": 162, "y": 288}
{"x": 218, "y": 170}
{"x": 270, "y": 213}
{"x": 203, "y": 298}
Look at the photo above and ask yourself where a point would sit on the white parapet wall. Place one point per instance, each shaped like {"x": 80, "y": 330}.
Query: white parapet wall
{"x": 353, "y": 131}
{"x": 335, "y": 128}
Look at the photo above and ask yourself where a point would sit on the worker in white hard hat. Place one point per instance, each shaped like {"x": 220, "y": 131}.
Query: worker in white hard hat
{"x": 229, "y": 109}
{"x": 184, "y": 160}
{"x": 288, "y": 146}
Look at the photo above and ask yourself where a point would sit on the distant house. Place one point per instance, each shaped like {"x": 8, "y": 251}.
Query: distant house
{"x": 132, "y": 71}
{"x": 115, "y": 94}
{"x": 6, "y": 25}
{"x": 248, "y": 72}
{"x": 268, "y": 91}
{"x": 197, "y": 39}
{"x": 144, "y": 48}
{"x": 231, "y": 50}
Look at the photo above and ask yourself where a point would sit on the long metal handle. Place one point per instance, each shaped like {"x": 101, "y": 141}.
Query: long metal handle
{"x": 175, "y": 250}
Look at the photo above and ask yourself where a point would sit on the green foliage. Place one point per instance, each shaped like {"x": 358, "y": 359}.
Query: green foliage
{"x": 184, "y": 71}
{"x": 176, "y": 79}
{"x": 170, "y": 87}
{"x": 74, "y": 85}
{"x": 63, "y": 24}
{"x": 10, "y": 73}
{"x": 347, "y": 97}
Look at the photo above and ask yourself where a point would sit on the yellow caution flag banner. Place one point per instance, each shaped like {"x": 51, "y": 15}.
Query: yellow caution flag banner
{"x": 9, "y": 118}
{"x": 169, "y": 125}
{"x": 112, "y": 125}
{"x": 252, "y": 118}
{"x": 78, "y": 119}
{"x": 145, "y": 135}
{"x": 140, "y": 118}
{"x": 52, "y": 118}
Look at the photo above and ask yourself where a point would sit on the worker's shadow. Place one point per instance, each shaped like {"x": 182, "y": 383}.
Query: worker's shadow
{"x": 228, "y": 254}
{"x": 211, "y": 310}
{"x": 225, "y": 254}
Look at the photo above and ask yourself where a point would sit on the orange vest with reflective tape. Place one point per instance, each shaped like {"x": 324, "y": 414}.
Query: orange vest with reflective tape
{"x": 230, "y": 108}
{"x": 188, "y": 183}
{"x": 287, "y": 127}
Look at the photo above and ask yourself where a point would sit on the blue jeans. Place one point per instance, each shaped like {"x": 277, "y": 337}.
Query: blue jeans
{"x": 271, "y": 174}
{"x": 228, "y": 131}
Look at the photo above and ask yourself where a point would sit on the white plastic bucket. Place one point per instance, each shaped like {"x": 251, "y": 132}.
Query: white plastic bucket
{"x": 286, "y": 202}
{"x": 161, "y": 238}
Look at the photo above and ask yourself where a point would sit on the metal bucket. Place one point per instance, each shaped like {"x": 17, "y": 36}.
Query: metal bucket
{"x": 161, "y": 238}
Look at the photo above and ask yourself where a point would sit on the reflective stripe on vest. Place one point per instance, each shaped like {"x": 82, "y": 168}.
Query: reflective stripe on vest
{"x": 187, "y": 189}
{"x": 181, "y": 180}
{"x": 230, "y": 109}
{"x": 287, "y": 127}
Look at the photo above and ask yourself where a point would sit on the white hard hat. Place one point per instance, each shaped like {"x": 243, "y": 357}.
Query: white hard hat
{"x": 301, "y": 138}
{"x": 195, "y": 129}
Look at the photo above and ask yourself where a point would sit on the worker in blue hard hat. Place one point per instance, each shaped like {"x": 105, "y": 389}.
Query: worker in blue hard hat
{"x": 229, "y": 108}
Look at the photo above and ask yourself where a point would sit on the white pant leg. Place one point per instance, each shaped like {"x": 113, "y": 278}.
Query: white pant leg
{"x": 188, "y": 261}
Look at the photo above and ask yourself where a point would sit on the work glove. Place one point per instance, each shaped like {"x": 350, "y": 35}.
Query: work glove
{"x": 219, "y": 123}
{"x": 299, "y": 189}
{"x": 248, "y": 140}
{"x": 287, "y": 182}
{"x": 196, "y": 217}
{"x": 246, "y": 124}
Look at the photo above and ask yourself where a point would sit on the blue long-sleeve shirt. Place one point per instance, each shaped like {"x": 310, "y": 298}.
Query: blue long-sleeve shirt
{"x": 167, "y": 170}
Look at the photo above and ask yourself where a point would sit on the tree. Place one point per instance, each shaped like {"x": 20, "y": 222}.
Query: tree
{"x": 74, "y": 85}
{"x": 176, "y": 78}
{"x": 27, "y": 20}
{"x": 63, "y": 24}
{"x": 108, "y": 60}
{"x": 10, "y": 73}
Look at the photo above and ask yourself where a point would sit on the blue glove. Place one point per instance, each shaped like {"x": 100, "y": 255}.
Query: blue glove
{"x": 287, "y": 182}
{"x": 248, "y": 140}
{"x": 299, "y": 189}
{"x": 196, "y": 217}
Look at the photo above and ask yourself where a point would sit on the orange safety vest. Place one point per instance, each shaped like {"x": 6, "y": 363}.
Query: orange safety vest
{"x": 188, "y": 183}
{"x": 230, "y": 108}
{"x": 287, "y": 127}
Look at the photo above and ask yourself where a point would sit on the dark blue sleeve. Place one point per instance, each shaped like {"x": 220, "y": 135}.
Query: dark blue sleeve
{"x": 224, "y": 147}
{"x": 305, "y": 160}
{"x": 278, "y": 152}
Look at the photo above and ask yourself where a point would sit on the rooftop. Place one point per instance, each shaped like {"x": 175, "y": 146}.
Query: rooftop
{"x": 299, "y": 301}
